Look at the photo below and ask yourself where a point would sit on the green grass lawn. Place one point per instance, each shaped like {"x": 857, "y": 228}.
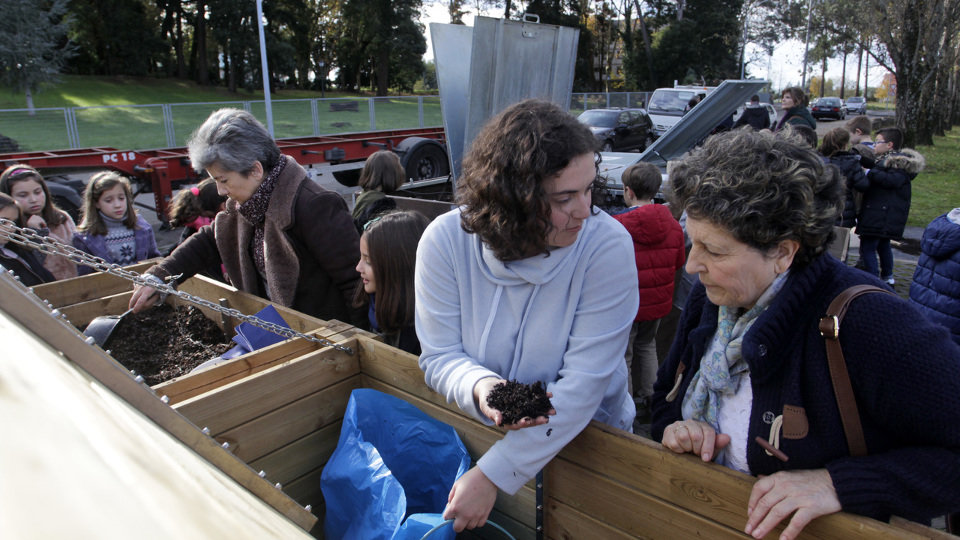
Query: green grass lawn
{"x": 936, "y": 190}
{"x": 126, "y": 112}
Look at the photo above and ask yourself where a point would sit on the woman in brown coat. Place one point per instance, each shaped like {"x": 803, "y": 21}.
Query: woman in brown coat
{"x": 281, "y": 237}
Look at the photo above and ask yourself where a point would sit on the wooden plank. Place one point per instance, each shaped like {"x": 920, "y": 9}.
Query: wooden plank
{"x": 81, "y": 314}
{"x": 712, "y": 491}
{"x": 62, "y": 336}
{"x": 229, "y": 406}
{"x": 567, "y": 523}
{"x": 306, "y": 490}
{"x": 66, "y": 292}
{"x": 193, "y": 384}
{"x": 923, "y": 531}
{"x": 519, "y": 529}
{"x": 629, "y": 512}
{"x": 400, "y": 370}
{"x": 86, "y": 464}
{"x": 300, "y": 457}
{"x": 278, "y": 428}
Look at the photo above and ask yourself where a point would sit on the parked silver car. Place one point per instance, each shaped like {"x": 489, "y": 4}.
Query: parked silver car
{"x": 856, "y": 105}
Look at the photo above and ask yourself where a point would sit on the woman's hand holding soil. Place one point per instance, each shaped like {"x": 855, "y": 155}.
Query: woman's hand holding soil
{"x": 512, "y": 405}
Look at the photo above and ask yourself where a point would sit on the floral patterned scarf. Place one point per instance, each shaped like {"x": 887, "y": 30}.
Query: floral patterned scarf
{"x": 255, "y": 211}
{"x": 722, "y": 366}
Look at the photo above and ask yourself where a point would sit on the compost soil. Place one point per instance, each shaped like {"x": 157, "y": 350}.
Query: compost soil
{"x": 164, "y": 342}
{"x": 516, "y": 401}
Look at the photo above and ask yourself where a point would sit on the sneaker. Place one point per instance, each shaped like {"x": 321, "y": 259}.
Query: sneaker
{"x": 889, "y": 281}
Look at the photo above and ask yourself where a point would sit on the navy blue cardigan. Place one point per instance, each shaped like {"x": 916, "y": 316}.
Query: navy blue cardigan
{"x": 906, "y": 377}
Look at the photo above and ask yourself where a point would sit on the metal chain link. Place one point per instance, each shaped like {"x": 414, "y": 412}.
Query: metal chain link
{"x": 51, "y": 246}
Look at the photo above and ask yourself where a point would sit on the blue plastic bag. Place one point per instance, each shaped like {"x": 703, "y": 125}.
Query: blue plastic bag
{"x": 392, "y": 461}
{"x": 250, "y": 338}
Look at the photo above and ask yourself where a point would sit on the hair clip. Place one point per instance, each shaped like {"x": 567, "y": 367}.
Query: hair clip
{"x": 195, "y": 190}
{"x": 371, "y": 222}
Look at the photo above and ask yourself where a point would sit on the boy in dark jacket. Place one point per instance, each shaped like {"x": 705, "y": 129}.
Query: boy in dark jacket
{"x": 658, "y": 248}
{"x": 886, "y": 202}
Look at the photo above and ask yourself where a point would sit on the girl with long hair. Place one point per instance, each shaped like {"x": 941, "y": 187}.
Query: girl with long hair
{"x": 27, "y": 187}
{"x": 111, "y": 228}
{"x": 388, "y": 251}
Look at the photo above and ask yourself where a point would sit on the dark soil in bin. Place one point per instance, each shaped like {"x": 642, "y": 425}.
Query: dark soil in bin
{"x": 166, "y": 342}
{"x": 516, "y": 400}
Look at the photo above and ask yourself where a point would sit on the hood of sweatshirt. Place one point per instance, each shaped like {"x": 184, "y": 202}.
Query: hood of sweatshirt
{"x": 536, "y": 270}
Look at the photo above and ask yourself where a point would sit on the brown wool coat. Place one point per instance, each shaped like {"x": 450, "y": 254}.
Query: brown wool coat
{"x": 311, "y": 249}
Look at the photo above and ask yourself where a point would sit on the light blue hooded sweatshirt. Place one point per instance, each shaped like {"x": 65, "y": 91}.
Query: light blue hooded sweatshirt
{"x": 563, "y": 319}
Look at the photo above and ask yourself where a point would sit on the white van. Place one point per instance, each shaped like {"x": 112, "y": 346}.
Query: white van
{"x": 667, "y": 105}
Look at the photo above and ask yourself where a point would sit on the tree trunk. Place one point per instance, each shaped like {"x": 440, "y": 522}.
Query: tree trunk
{"x": 178, "y": 43}
{"x": 823, "y": 76}
{"x": 843, "y": 73}
{"x": 383, "y": 71}
{"x": 231, "y": 70}
{"x": 507, "y": 7}
{"x": 200, "y": 40}
{"x": 859, "y": 64}
{"x": 645, "y": 35}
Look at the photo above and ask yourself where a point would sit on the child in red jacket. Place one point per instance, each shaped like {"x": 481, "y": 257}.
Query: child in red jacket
{"x": 658, "y": 248}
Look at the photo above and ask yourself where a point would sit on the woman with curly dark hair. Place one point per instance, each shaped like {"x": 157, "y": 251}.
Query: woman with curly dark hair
{"x": 748, "y": 384}
{"x": 526, "y": 281}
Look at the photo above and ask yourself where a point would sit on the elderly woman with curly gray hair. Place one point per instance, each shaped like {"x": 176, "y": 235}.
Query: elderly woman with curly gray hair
{"x": 747, "y": 382}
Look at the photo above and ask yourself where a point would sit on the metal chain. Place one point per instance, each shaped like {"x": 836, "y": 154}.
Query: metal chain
{"x": 51, "y": 246}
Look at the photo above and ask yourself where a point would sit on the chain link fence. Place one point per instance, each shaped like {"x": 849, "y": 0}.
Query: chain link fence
{"x": 139, "y": 127}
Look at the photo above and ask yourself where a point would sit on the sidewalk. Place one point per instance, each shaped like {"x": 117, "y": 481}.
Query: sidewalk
{"x": 905, "y": 256}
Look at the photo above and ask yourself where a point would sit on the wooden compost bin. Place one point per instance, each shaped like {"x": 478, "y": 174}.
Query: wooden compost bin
{"x": 281, "y": 408}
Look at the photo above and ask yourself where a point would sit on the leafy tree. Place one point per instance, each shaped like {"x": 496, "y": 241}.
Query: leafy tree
{"x": 115, "y": 37}
{"x": 917, "y": 36}
{"x": 33, "y": 48}
{"x": 234, "y": 29}
{"x": 378, "y": 40}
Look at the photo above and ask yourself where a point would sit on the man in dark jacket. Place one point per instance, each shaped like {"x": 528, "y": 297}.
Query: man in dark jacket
{"x": 754, "y": 115}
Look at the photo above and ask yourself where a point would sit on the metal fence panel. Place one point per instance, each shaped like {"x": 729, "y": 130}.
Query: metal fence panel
{"x": 188, "y": 116}
{"x": 406, "y": 112}
{"x": 137, "y": 127}
{"x": 291, "y": 117}
{"x": 121, "y": 126}
{"x": 43, "y": 129}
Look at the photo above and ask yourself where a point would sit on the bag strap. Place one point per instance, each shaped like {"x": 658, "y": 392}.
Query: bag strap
{"x": 842, "y": 389}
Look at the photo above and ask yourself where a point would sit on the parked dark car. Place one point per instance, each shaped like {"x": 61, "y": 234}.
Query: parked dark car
{"x": 829, "y": 107}
{"x": 856, "y": 105}
{"x": 619, "y": 129}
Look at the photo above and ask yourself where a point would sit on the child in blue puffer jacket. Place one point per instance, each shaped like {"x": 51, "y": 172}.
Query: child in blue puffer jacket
{"x": 936, "y": 281}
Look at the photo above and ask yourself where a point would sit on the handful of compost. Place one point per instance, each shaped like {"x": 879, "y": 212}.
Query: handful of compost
{"x": 517, "y": 401}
